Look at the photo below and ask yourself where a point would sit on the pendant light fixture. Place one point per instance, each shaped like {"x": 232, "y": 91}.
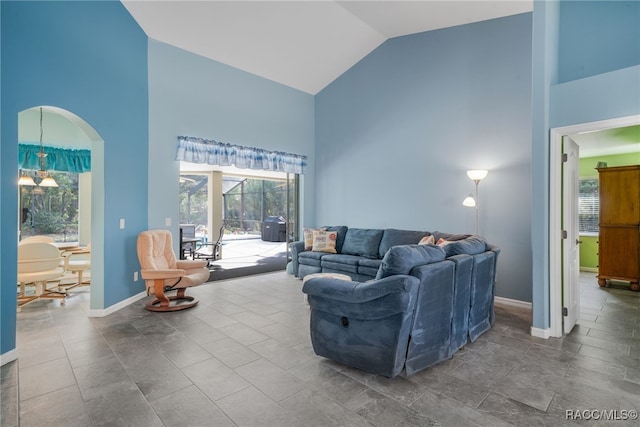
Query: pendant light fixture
{"x": 45, "y": 179}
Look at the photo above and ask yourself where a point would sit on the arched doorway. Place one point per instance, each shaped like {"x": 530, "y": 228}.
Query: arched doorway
{"x": 64, "y": 129}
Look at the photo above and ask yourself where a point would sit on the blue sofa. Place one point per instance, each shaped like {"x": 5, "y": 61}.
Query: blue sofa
{"x": 424, "y": 303}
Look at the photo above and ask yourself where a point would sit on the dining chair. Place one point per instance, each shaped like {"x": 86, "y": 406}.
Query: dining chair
{"x": 39, "y": 265}
{"x": 38, "y": 238}
{"x": 77, "y": 261}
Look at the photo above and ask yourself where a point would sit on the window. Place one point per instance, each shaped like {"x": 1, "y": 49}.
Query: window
{"x": 588, "y": 205}
{"x": 51, "y": 211}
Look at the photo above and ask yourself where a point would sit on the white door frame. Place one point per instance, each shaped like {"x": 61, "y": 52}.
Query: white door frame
{"x": 555, "y": 209}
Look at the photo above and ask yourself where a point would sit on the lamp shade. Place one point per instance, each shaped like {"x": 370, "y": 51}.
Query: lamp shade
{"x": 477, "y": 174}
{"x": 48, "y": 182}
{"x": 469, "y": 201}
{"x": 26, "y": 180}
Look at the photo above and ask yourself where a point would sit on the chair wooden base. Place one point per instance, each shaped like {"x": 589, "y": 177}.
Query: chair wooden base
{"x": 163, "y": 302}
{"x": 41, "y": 292}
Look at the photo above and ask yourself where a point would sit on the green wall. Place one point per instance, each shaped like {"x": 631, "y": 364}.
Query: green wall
{"x": 589, "y": 246}
{"x": 588, "y": 164}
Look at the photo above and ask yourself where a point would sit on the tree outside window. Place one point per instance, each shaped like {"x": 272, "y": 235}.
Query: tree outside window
{"x": 51, "y": 211}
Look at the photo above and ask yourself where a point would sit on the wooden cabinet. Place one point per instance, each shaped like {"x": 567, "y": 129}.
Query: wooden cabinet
{"x": 619, "y": 240}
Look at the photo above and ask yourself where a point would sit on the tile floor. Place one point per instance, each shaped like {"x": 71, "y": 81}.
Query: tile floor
{"x": 242, "y": 357}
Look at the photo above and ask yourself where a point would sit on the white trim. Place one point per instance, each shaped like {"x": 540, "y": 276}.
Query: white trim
{"x": 589, "y": 269}
{"x": 512, "y": 302}
{"x": 9, "y": 356}
{"x": 555, "y": 238}
{"x": 115, "y": 307}
{"x": 540, "y": 333}
{"x": 555, "y": 213}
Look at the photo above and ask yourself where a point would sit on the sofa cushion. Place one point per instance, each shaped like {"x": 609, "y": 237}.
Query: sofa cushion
{"x": 401, "y": 259}
{"x": 363, "y": 242}
{"x": 470, "y": 246}
{"x": 367, "y": 262}
{"x": 324, "y": 241}
{"x": 342, "y": 232}
{"x": 310, "y": 258}
{"x": 330, "y": 267}
{"x": 342, "y": 259}
{"x": 392, "y": 237}
{"x": 340, "y": 262}
{"x": 368, "y": 271}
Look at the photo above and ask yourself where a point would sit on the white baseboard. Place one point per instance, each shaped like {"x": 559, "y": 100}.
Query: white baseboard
{"x": 9, "y": 356}
{"x": 512, "y": 302}
{"x": 536, "y": 332}
{"x": 540, "y": 333}
{"x": 115, "y": 307}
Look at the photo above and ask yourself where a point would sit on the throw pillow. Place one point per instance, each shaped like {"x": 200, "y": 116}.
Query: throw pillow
{"x": 442, "y": 242}
{"x": 324, "y": 241}
{"x": 308, "y": 237}
{"x": 427, "y": 240}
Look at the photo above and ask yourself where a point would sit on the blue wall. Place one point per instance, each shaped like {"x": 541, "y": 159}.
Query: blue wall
{"x": 194, "y": 96}
{"x": 89, "y": 58}
{"x": 397, "y": 132}
{"x": 597, "y": 37}
{"x": 604, "y": 84}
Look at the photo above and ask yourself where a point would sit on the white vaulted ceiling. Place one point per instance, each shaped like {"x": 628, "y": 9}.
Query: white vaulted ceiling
{"x": 302, "y": 44}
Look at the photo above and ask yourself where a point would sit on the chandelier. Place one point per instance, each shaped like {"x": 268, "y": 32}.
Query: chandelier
{"x": 45, "y": 179}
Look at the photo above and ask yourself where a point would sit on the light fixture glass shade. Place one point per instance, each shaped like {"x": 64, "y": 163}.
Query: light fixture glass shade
{"x": 48, "y": 182}
{"x": 26, "y": 180}
{"x": 469, "y": 202}
{"x": 477, "y": 174}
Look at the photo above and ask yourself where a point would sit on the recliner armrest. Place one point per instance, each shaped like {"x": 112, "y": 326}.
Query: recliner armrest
{"x": 355, "y": 292}
{"x": 166, "y": 273}
{"x": 188, "y": 264}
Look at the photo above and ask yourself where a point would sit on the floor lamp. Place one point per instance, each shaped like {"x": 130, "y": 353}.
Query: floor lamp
{"x": 476, "y": 176}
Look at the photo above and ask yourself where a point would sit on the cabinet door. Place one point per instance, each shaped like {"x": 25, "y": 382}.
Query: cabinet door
{"x": 619, "y": 195}
{"x": 619, "y": 252}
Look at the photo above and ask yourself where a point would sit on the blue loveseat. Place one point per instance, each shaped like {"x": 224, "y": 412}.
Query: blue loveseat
{"x": 423, "y": 304}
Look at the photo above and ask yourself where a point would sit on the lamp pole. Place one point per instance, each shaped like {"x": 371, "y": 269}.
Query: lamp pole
{"x": 476, "y": 176}
{"x": 477, "y": 181}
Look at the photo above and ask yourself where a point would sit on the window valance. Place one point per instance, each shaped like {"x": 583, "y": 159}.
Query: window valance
{"x": 199, "y": 150}
{"x": 58, "y": 159}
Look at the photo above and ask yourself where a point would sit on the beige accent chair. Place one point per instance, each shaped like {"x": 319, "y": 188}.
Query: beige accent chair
{"x": 39, "y": 264}
{"x": 77, "y": 261}
{"x": 162, "y": 272}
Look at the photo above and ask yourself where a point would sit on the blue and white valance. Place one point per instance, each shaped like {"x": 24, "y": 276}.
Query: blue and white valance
{"x": 199, "y": 150}
{"x": 58, "y": 159}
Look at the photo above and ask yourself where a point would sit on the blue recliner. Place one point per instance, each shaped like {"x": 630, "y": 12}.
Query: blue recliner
{"x": 364, "y": 325}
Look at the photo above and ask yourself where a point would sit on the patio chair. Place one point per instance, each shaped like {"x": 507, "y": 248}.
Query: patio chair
{"x": 210, "y": 251}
